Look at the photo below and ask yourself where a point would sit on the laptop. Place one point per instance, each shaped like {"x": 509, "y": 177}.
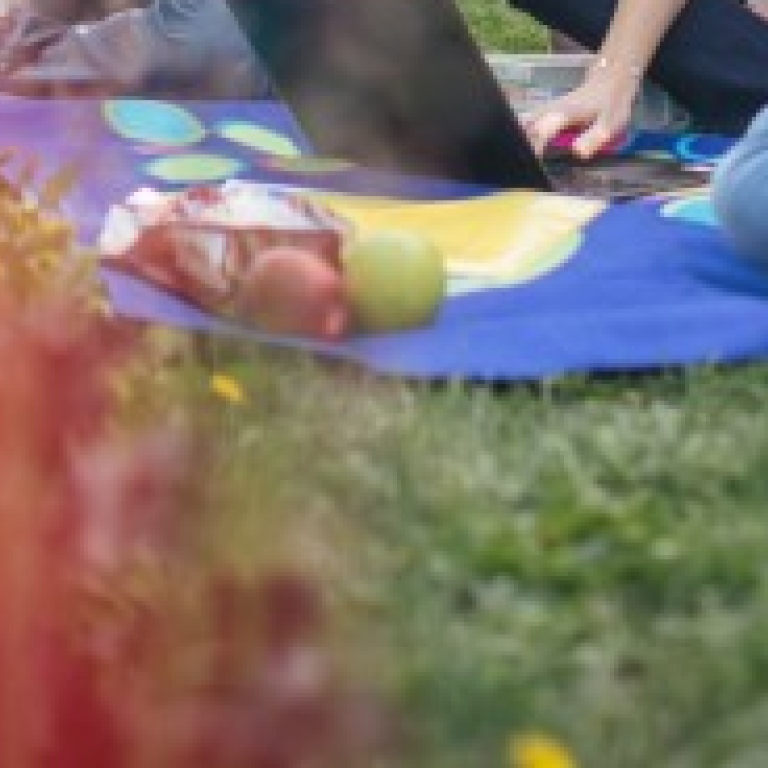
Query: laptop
{"x": 401, "y": 85}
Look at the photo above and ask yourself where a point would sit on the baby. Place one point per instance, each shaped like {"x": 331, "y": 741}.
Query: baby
{"x": 173, "y": 48}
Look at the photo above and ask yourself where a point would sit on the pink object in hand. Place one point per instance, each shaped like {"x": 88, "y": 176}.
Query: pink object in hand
{"x": 565, "y": 140}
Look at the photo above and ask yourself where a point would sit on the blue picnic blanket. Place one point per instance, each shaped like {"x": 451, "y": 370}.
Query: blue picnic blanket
{"x": 645, "y": 284}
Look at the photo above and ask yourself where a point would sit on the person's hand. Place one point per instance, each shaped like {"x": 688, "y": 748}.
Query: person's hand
{"x": 760, "y": 7}
{"x": 600, "y": 109}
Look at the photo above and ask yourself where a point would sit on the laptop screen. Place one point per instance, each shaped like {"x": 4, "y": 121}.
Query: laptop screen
{"x": 392, "y": 84}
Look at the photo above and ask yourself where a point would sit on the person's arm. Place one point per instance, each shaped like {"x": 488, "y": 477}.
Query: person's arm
{"x": 176, "y": 48}
{"x": 63, "y": 11}
{"x": 602, "y": 105}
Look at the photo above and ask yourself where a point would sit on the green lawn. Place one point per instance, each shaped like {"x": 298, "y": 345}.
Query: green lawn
{"x": 585, "y": 558}
{"x": 501, "y": 29}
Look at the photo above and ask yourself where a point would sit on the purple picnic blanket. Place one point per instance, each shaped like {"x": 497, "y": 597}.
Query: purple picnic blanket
{"x": 648, "y": 284}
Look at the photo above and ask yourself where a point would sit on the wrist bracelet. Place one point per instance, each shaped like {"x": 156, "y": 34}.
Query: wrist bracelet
{"x": 635, "y": 70}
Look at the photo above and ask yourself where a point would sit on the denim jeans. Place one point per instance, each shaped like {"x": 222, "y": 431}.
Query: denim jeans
{"x": 740, "y": 192}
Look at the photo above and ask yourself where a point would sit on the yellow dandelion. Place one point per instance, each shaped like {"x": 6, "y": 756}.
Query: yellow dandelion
{"x": 227, "y": 388}
{"x": 535, "y": 750}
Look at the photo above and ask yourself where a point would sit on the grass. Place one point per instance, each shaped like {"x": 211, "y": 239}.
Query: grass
{"x": 585, "y": 558}
{"x": 500, "y": 28}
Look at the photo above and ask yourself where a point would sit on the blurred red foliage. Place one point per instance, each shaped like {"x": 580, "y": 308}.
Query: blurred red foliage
{"x": 105, "y": 660}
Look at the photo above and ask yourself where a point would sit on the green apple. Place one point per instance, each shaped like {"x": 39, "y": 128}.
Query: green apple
{"x": 395, "y": 279}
